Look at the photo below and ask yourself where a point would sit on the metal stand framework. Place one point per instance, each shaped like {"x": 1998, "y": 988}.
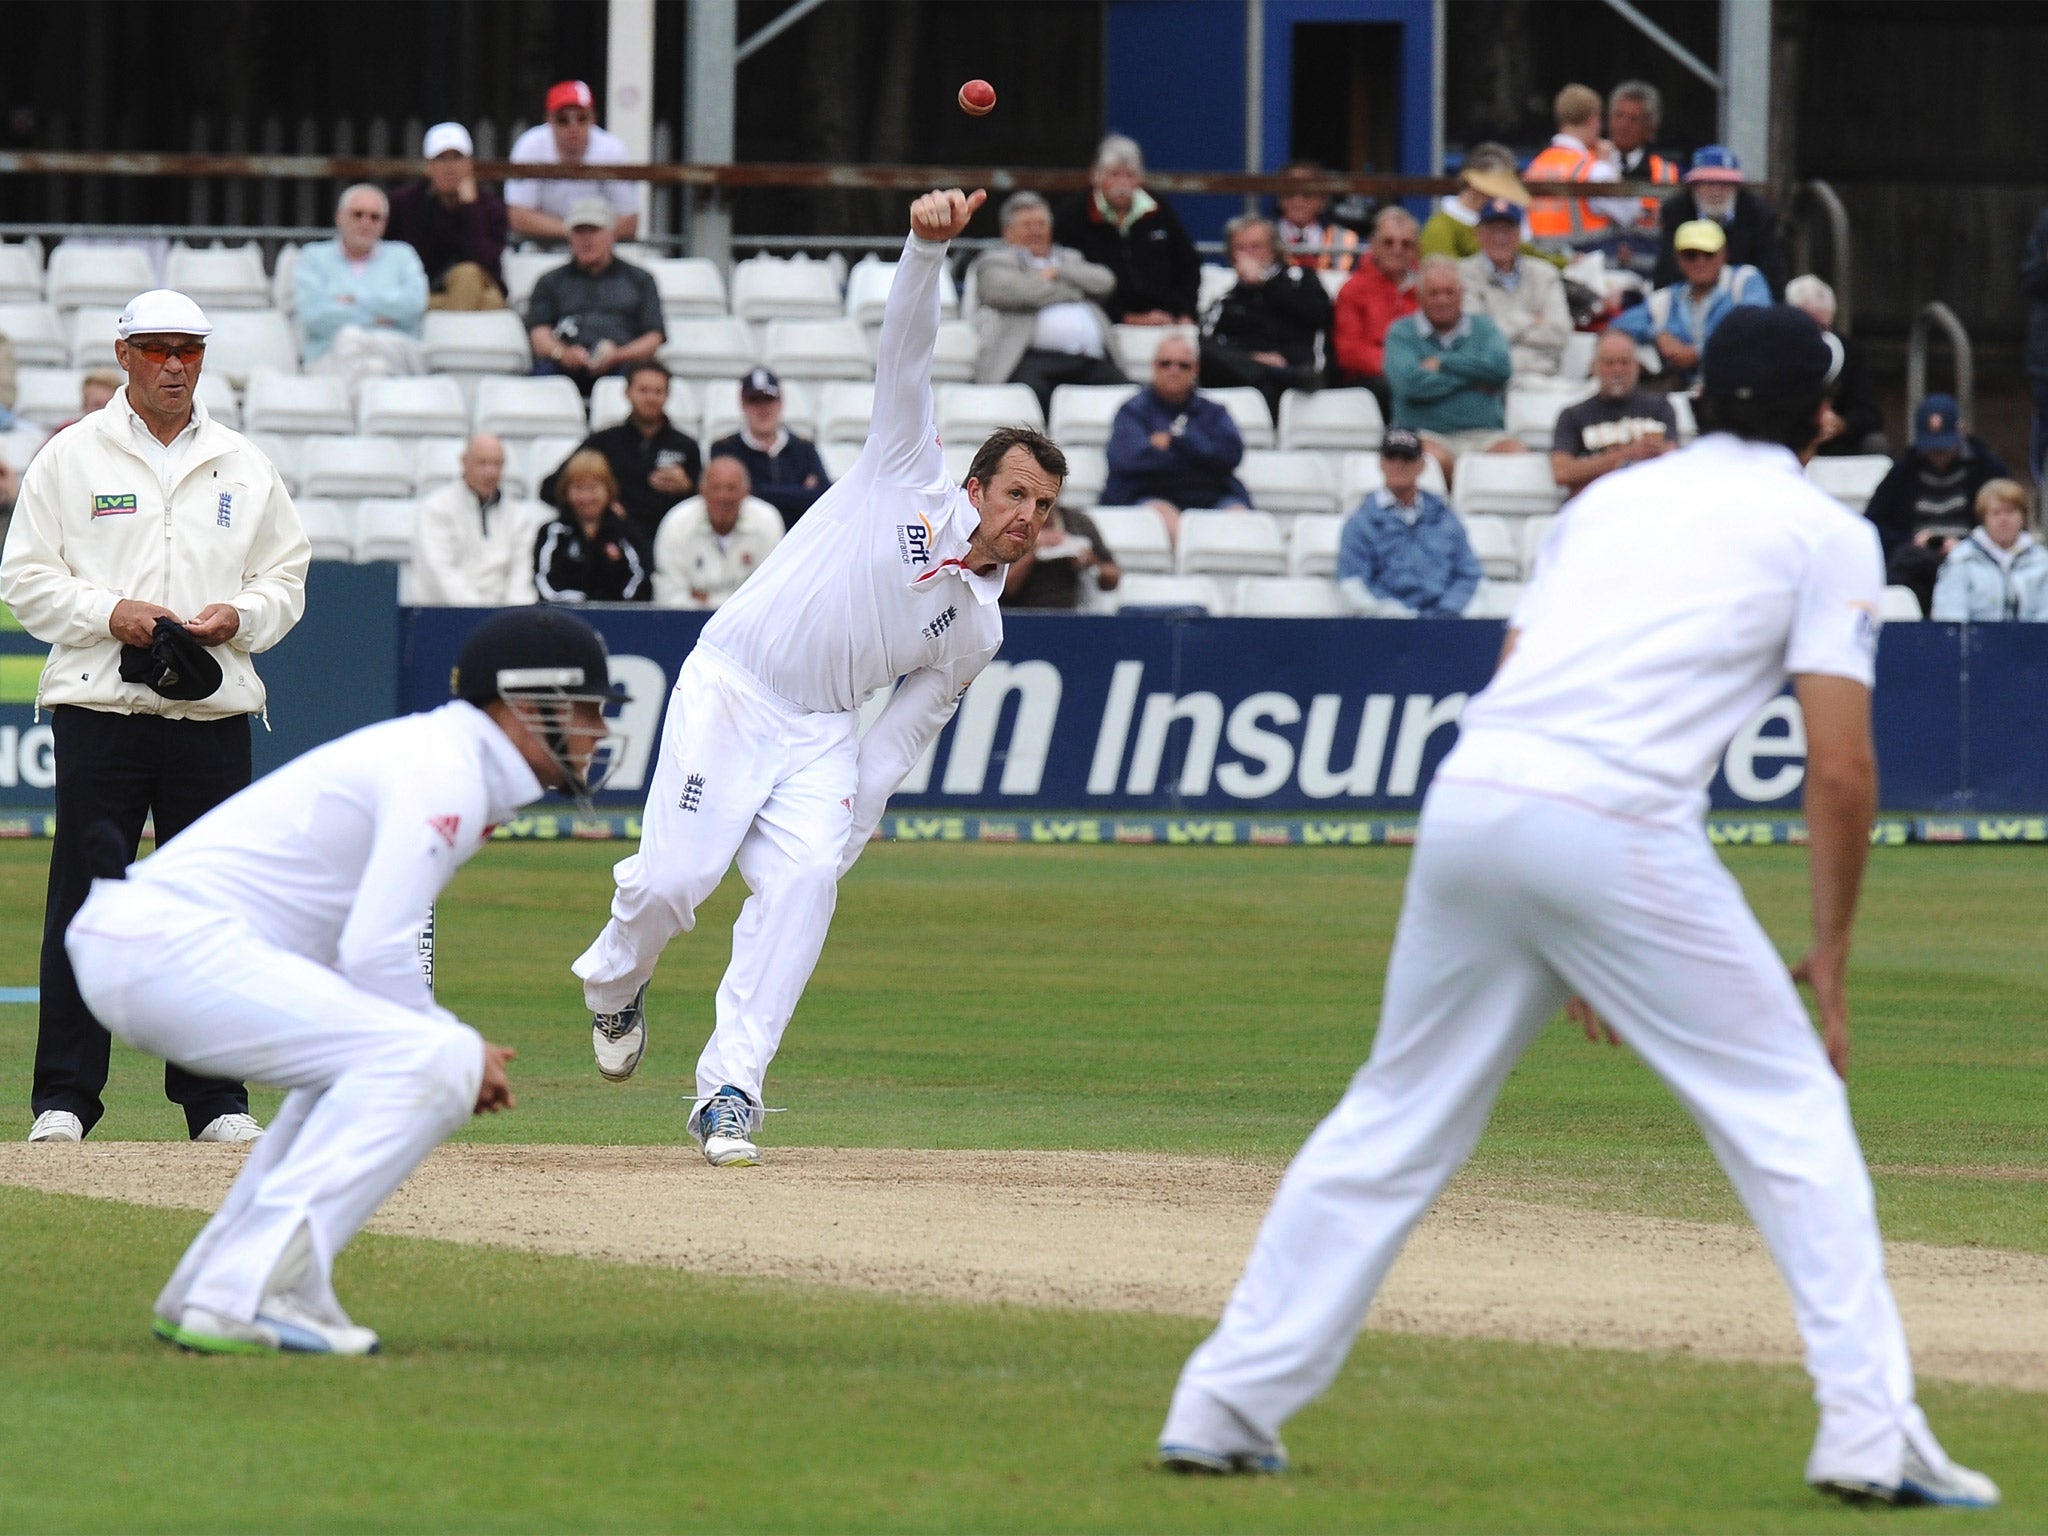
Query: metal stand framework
{"x": 1743, "y": 82}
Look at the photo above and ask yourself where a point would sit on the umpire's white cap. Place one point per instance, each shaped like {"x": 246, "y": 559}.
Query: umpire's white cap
{"x": 162, "y": 311}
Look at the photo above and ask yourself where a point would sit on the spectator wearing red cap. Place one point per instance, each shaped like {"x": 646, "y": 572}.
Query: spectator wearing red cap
{"x": 570, "y": 136}
{"x": 1713, "y": 190}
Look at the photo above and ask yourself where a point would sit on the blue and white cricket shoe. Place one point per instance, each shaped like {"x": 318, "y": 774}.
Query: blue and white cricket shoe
{"x": 280, "y": 1328}
{"x": 1956, "y": 1487}
{"x": 619, "y": 1040}
{"x": 723, "y": 1126}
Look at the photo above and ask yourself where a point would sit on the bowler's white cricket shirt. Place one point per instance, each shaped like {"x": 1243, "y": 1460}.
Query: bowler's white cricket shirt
{"x": 339, "y": 854}
{"x": 1670, "y": 602}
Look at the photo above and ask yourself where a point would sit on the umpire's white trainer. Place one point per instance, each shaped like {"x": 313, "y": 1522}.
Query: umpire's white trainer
{"x": 1203, "y": 1435}
{"x": 57, "y": 1125}
{"x": 723, "y": 1126}
{"x": 236, "y": 1130}
{"x": 1921, "y": 1482}
{"x": 281, "y": 1326}
{"x": 620, "y": 1039}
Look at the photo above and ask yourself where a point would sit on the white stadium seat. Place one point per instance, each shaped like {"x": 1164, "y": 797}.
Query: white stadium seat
{"x": 844, "y": 410}
{"x": 1290, "y": 597}
{"x": 529, "y": 407}
{"x": 838, "y": 458}
{"x": 1247, "y": 408}
{"x": 1087, "y": 473}
{"x": 91, "y": 334}
{"x": 1899, "y": 605}
{"x": 350, "y": 468}
{"x": 48, "y": 396}
{"x": 1850, "y": 479}
{"x": 1136, "y": 536}
{"x": 1512, "y": 484}
{"x": 38, "y": 333}
{"x": 21, "y": 275}
{"x": 297, "y": 403}
{"x": 1312, "y": 545}
{"x": 230, "y": 278}
{"x": 817, "y": 349}
{"x": 107, "y": 276}
{"x": 523, "y": 269}
{"x": 221, "y": 402}
{"x": 1288, "y": 482}
{"x": 437, "y": 461}
{"x": 768, "y": 288}
{"x": 709, "y": 348}
{"x": 1532, "y": 411}
{"x": 1361, "y": 477}
{"x": 1230, "y": 543}
{"x": 688, "y": 285}
{"x": 245, "y": 340}
{"x": 330, "y": 526}
{"x": 959, "y": 457}
{"x": 22, "y": 441}
{"x": 1135, "y": 344}
{"x": 1493, "y": 541}
{"x": 1688, "y": 425}
{"x": 969, "y": 412}
{"x": 867, "y": 291}
{"x": 955, "y": 351}
{"x": 545, "y": 455}
{"x": 608, "y": 405}
{"x": 1494, "y": 600}
{"x": 1345, "y": 419}
{"x": 1215, "y": 282}
{"x": 1577, "y": 362}
{"x": 284, "y": 293}
{"x": 384, "y": 528}
{"x": 284, "y": 450}
{"x": 428, "y": 406}
{"x": 484, "y": 341}
{"x": 1142, "y": 589}
{"x": 1083, "y": 414}
{"x": 1534, "y": 531}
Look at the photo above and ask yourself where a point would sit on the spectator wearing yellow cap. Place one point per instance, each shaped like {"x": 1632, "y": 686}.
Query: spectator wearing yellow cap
{"x": 1677, "y": 320}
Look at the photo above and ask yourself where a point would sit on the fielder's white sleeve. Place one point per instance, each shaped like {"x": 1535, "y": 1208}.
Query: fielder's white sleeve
{"x": 911, "y": 721}
{"x": 422, "y": 832}
{"x": 1835, "y": 622}
{"x": 903, "y": 433}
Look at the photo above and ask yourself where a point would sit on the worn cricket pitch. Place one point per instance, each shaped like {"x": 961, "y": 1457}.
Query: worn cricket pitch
{"x": 1123, "y": 1232}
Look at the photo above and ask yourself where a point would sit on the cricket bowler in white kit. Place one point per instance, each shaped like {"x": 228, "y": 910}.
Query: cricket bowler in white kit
{"x": 1561, "y": 858}
{"x": 893, "y": 573}
{"x": 276, "y": 940}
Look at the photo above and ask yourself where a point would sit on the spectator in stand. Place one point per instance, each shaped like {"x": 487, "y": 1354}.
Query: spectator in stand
{"x": 595, "y": 314}
{"x": 539, "y": 209}
{"x": 1926, "y": 505}
{"x": 1307, "y": 233}
{"x": 714, "y": 541}
{"x": 654, "y": 463}
{"x": 1449, "y": 370}
{"x": 1678, "y": 320}
{"x": 1119, "y": 225}
{"x": 1635, "y": 110}
{"x": 589, "y": 553}
{"x": 1854, "y": 422}
{"x": 469, "y": 547}
{"x": 1049, "y": 575}
{"x": 2034, "y": 284}
{"x": 1522, "y": 295}
{"x": 1577, "y": 153}
{"x": 1373, "y": 298}
{"x": 1622, "y": 424}
{"x": 1713, "y": 190}
{"x": 1041, "y": 317}
{"x": 1170, "y": 448}
{"x": 2000, "y": 571}
{"x": 1488, "y": 175}
{"x": 361, "y": 297}
{"x": 784, "y": 469}
{"x": 97, "y": 387}
{"x": 1266, "y": 330}
{"x": 1404, "y": 553}
{"x": 457, "y": 227}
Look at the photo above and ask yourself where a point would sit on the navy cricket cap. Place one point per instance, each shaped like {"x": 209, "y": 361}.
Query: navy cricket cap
{"x": 1768, "y": 352}
{"x": 1501, "y": 211}
{"x": 1400, "y": 443}
{"x": 760, "y": 384}
{"x": 1937, "y": 424}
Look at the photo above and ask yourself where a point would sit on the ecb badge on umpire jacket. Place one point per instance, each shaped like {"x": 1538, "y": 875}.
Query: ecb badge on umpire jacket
{"x": 142, "y": 533}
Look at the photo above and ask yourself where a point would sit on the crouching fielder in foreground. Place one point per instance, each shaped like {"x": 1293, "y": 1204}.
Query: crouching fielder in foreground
{"x": 1561, "y": 855}
{"x": 893, "y": 573}
{"x": 276, "y": 940}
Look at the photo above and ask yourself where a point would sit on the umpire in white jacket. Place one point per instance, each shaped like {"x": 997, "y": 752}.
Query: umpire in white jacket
{"x": 147, "y": 509}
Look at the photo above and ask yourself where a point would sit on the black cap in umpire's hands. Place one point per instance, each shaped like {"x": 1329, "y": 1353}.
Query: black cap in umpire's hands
{"x": 173, "y": 664}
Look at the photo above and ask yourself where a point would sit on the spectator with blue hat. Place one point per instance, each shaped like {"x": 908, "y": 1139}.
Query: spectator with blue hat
{"x": 1928, "y": 503}
{"x": 1713, "y": 190}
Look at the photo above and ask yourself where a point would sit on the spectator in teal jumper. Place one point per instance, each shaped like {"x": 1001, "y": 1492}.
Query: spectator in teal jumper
{"x": 361, "y": 297}
{"x": 1448, "y": 370}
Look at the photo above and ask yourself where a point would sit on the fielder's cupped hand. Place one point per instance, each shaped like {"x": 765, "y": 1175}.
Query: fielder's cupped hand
{"x": 943, "y": 215}
{"x": 496, "y": 1092}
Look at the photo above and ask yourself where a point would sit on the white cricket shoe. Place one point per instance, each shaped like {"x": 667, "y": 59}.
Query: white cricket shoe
{"x": 57, "y": 1125}
{"x": 236, "y": 1130}
{"x": 1955, "y": 1487}
{"x": 1204, "y": 1435}
{"x": 722, "y": 1125}
{"x": 282, "y": 1326}
{"x": 619, "y": 1039}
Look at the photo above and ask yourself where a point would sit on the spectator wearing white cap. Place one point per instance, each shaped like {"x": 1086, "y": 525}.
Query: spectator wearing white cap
{"x": 539, "y": 208}
{"x": 596, "y": 314}
{"x": 361, "y": 297}
{"x": 457, "y": 227}
{"x": 144, "y": 531}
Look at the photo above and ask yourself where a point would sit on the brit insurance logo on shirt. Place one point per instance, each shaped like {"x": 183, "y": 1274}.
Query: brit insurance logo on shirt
{"x": 113, "y": 506}
{"x": 914, "y": 542}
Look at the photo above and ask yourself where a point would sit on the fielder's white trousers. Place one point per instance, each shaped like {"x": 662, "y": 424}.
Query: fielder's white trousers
{"x": 1514, "y": 902}
{"x": 374, "y": 1087}
{"x": 743, "y": 774}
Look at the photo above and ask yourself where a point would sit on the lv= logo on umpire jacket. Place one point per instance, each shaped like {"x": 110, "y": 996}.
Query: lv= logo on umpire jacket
{"x": 93, "y": 525}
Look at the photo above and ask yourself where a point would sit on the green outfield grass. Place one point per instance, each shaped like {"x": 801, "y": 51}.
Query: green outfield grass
{"x": 1208, "y": 1001}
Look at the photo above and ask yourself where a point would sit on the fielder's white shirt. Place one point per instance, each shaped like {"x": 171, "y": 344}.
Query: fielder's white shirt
{"x": 1671, "y": 601}
{"x": 536, "y": 146}
{"x": 869, "y": 586}
{"x": 339, "y": 854}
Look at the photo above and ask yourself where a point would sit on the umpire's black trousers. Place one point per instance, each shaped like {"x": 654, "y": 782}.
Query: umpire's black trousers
{"x": 114, "y": 770}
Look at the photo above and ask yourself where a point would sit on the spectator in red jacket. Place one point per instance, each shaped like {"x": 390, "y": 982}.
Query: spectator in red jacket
{"x": 1380, "y": 292}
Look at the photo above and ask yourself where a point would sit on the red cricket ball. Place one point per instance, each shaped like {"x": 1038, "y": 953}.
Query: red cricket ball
{"x": 977, "y": 98}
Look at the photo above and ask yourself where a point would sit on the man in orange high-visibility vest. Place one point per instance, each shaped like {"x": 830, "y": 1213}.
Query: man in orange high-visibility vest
{"x": 1576, "y": 153}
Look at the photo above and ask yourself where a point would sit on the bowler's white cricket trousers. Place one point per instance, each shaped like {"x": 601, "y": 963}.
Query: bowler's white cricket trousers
{"x": 743, "y": 774}
{"x": 374, "y": 1086}
{"x": 1514, "y": 902}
